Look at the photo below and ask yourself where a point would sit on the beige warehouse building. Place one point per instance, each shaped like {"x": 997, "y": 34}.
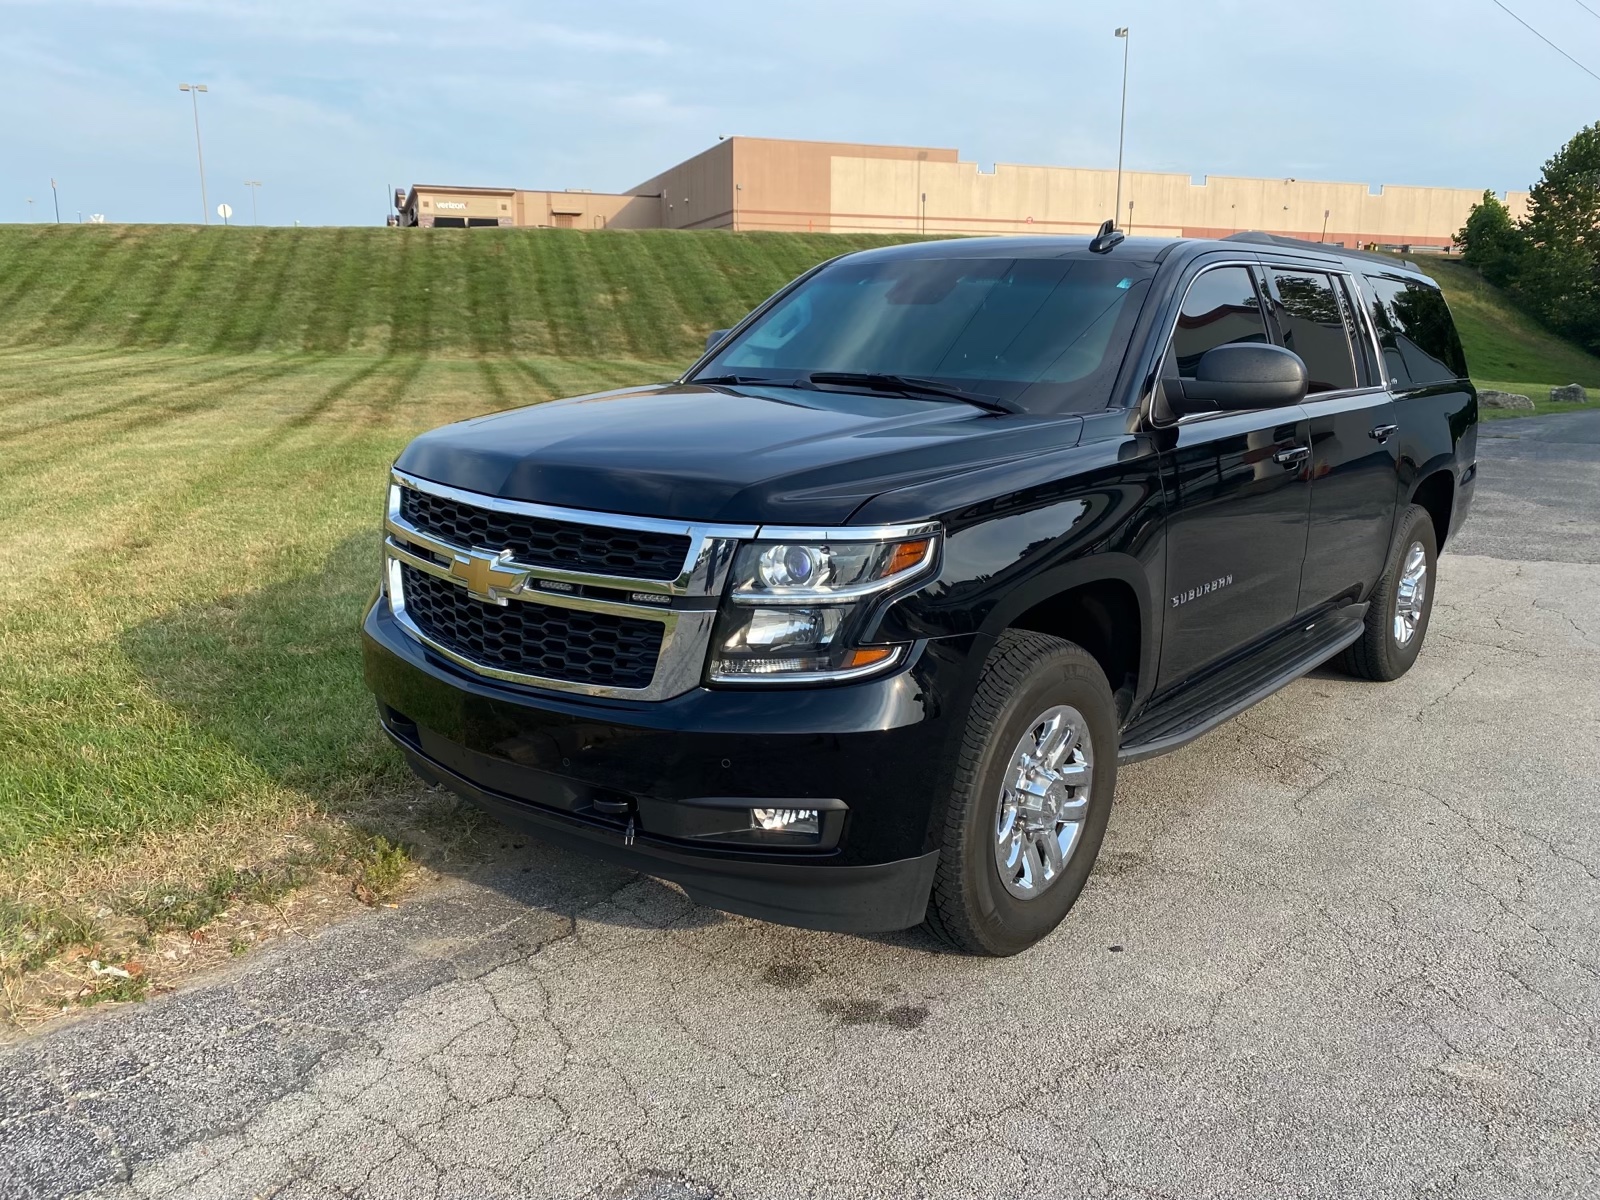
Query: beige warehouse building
{"x": 847, "y": 187}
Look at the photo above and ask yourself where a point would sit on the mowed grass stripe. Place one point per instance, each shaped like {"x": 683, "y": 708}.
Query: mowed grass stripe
{"x": 47, "y": 381}
{"x": 574, "y": 293}
{"x": 73, "y": 513}
{"x": 272, "y": 289}
{"x": 295, "y": 408}
{"x": 75, "y": 307}
{"x": 153, "y": 404}
{"x": 240, "y": 466}
{"x": 554, "y": 378}
{"x": 277, "y": 514}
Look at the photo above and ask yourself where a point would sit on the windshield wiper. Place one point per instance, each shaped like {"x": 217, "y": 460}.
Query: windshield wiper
{"x": 911, "y": 386}
{"x": 749, "y": 379}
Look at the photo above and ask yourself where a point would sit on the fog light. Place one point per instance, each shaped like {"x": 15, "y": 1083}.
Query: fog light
{"x": 786, "y": 820}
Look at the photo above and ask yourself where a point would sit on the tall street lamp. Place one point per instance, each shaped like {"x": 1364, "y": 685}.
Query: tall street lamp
{"x": 252, "y": 184}
{"x": 194, "y": 90}
{"x": 1122, "y": 130}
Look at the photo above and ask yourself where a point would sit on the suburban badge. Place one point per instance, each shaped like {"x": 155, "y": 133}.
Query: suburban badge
{"x": 1205, "y": 589}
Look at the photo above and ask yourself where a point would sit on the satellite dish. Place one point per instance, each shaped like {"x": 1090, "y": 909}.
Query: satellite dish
{"x": 97, "y": 218}
{"x": 224, "y": 211}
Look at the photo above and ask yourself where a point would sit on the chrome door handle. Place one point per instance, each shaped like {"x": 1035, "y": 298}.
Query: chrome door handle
{"x": 1382, "y": 432}
{"x": 1292, "y": 457}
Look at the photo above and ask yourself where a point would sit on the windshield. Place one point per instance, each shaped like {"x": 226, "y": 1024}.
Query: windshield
{"x": 1044, "y": 334}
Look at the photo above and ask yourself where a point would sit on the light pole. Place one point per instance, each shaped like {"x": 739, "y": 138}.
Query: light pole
{"x": 252, "y": 184}
{"x": 194, "y": 90}
{"x": 1326, "y": 213}
{"x": 1122, "y": 128}
{"x": 56, "y": 196}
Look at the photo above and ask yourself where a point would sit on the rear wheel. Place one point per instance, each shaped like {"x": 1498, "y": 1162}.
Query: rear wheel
{"x": 1032, "y": 793}
{"x": 1402, "y": 603}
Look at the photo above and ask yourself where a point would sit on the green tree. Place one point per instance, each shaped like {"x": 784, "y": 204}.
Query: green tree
{"x": 1558, "y": 273}
{"x": 1491, "y": 241}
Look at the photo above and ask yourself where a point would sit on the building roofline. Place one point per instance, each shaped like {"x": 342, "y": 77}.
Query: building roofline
{"x": 742, "y": 137}
{"x": 485, "y": 191}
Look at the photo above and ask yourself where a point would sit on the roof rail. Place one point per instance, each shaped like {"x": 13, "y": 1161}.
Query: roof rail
{"x": 1289, "y": 243}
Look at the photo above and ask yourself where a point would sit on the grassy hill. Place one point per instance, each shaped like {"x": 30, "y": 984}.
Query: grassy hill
{"x": 650, "y": 295}
{"x": 646, "y": 296}
{"x": 1506, "y": 349}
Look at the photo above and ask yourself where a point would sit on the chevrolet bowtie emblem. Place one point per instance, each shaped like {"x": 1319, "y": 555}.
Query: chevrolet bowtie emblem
{"x": 487, "y": 576}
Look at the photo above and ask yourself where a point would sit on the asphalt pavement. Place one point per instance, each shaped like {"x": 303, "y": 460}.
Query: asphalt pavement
{"x": 1346, "y": 945}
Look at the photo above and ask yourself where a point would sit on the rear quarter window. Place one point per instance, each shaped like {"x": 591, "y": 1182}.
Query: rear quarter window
{"x": 1415, "y": 332}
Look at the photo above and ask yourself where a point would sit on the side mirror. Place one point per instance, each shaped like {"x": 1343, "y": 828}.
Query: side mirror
{"x": 1240, "y": 377}
{"x": 715, "y": 336}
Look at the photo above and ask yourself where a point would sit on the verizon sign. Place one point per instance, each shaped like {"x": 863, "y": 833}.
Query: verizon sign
{"x": 448, "y": 204}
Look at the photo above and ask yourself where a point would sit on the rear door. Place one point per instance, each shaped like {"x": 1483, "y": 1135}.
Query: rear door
{"x": 1236, "y": 529}
{"x": 1427, "y": 373}
{"x": 1354, "y": 451}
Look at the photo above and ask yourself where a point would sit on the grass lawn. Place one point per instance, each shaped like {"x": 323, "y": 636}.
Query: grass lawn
{"x": 1502, "y": 344}
{"x": 1539, "y": 393}
{"x": 190, "y": 542}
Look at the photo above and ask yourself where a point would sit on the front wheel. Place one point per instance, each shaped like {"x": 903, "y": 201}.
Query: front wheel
{"x": 1402, "y": 603}
{"x": 1032, "y": 794}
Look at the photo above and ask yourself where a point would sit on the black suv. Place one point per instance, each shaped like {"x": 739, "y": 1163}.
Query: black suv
{"x": 850, "y": 626}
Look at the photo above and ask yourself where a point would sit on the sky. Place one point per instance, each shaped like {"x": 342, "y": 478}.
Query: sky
{"x": 332, "y": 104}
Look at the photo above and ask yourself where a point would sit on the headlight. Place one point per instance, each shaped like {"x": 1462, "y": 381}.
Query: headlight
{"x": 807, "y": 572}
{"x": 794, "y": 608}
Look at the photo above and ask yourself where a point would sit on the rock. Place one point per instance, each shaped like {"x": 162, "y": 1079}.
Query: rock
{"x": 1573, "y": 393}
{"x": 1496, "y": 399}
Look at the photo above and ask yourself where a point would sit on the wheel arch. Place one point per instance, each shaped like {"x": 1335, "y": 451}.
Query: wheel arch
{"x": 1436, "y": 492}
{"x": 1101, "y": 604}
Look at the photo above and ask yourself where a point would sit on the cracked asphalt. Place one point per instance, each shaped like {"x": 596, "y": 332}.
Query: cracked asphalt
{"x": 1346, "y": 945}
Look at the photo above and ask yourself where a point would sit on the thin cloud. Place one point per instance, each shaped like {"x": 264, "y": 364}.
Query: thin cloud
{"x": 398, "y": 23}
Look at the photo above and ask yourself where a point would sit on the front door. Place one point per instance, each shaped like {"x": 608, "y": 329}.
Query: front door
{"x": 1239, "y": 495}
{"x": 1355, "y": 465}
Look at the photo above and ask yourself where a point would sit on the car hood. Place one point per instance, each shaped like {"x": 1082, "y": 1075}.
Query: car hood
{"x": 709, "y": 453}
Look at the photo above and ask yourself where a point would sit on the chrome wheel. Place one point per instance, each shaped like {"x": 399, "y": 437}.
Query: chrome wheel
{"x": 1043, "y": 802}
{"x": 1411, "y": 595}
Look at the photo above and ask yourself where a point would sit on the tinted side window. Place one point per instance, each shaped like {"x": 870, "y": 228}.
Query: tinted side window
{"x": 1368, "y": 373}
{"x": 1419, "y": 340}
{"x": 1314, "y": 328}
{"x": 1220, "y": 308}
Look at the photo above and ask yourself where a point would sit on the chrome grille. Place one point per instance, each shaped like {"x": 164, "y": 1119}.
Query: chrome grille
{"x": 562, "y": 599}
{"x": 629, "y": 553}
{"x": 596, "y": 648}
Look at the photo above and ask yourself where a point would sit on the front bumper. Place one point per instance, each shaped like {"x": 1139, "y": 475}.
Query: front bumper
{"x": 665, "y": 787}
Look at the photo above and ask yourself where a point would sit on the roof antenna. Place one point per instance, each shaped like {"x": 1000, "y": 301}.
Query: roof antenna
{"x": 1108, "y": 237}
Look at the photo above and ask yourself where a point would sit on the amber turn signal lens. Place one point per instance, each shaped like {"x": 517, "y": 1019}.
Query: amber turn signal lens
{"x": 866, "y": 658}
{"x": 907, "y": 555}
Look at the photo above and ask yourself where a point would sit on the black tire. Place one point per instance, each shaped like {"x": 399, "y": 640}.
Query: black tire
{"x": 1379, "y": 655}
{"x": 1025, "y": 674}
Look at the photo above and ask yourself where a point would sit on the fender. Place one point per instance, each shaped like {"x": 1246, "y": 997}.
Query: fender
{"x": 1097, "y": 568}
